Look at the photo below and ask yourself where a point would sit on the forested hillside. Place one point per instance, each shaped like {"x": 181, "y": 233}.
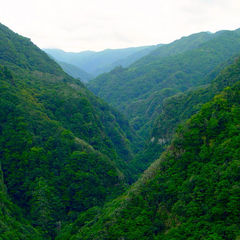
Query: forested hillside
{"x": 62, "y": 150}
{"x": 67, "y": 158}
{"x": 176, "y": 109}
{"x": 192, "y": 191}
{"x": 139, "y": 91}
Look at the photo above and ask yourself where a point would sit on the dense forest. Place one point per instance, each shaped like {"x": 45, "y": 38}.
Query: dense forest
{"x": 62, "y": 149}
{"x": 163, "y": 165}
{"x": 192, "y": 191}
{"x": 178, "y": 108}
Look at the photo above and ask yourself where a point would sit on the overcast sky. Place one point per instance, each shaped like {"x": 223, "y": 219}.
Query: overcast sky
{"x": 77, "y": 25}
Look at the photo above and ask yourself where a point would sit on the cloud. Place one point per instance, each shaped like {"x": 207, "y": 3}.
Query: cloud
{"x": 76, "y": 25}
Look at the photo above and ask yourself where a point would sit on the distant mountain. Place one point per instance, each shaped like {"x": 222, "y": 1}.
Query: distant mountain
{"x": 96, "y": 63}
{"x": 139, "y": 90}
{"x": 75, "y": 72}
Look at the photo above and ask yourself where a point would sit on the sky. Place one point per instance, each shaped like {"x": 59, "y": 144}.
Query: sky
{"x": 79, "y": 25}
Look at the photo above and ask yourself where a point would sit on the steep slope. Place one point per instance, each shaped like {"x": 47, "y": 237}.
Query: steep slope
{"x": 176, "y": 109}
{"x": 62, "y": 149}
{"x": 191, "y": 192}
{"x": 18, "y": 50}
{"x": 139, "y": 90}
{"x": 96, "y": 63}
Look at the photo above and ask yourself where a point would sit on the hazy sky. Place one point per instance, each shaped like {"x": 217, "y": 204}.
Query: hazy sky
{"x": 76, "y": 25}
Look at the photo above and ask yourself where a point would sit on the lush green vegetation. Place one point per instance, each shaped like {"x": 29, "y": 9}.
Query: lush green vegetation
{"x": 66, "y": 157}
{"x": 62, "y": 150}
{"x": 12, "y": 223}
{"x": 139, "y": 91}
{"x": 178, "y": 108}
{"x": 191, "y": 192}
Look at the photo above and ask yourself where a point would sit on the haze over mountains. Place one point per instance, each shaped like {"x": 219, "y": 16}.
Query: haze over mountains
{"x": 159, "y": 160}
{"x": 95, "y": 63}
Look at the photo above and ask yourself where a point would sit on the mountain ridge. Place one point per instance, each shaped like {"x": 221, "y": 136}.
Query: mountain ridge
{"x": 67, "y": 158}
{"x": 97, "y": 62}
{"x": 149, "y": 80}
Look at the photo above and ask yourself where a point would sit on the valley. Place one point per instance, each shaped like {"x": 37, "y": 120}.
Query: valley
{"x": 132, "y": 143}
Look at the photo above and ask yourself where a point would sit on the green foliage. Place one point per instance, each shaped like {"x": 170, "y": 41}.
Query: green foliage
{"x": 41, "y": 147}
{"x": 178, "y": 108}
{"x": 65, "y": 153}
{"x": 12, "y": 224}
{"x": 192, "y": 191}
{"x": 139, "y": 90}
{"x": 62, "y": 150}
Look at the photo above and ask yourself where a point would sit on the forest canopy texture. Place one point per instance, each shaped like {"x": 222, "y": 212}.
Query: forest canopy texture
{"x": 68, "y": 160}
